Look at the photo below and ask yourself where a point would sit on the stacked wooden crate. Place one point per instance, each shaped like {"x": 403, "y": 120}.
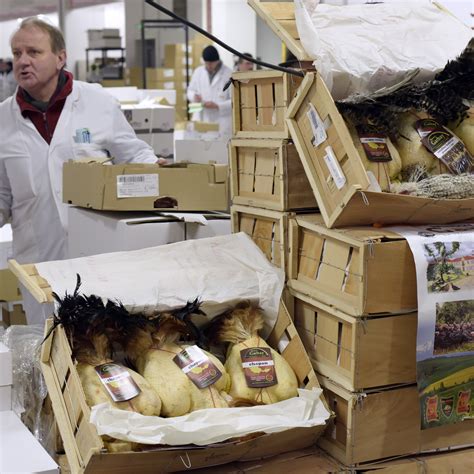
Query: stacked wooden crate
{"x": 354, "y": 288}
{"x": 268, "y": 182}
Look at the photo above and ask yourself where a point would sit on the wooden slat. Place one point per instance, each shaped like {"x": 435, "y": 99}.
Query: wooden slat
{"x": 29, "y": 277}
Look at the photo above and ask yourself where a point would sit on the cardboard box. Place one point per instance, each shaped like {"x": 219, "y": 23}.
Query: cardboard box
{"x": 118, "y": 231}
{"x": 175, "y": 55}
{"x": 268, "y": 229}
{"x": 162, "y": 143}
{"x": 113, "y": 83}
{"x": 184, "y": 187}
{"x": 12, "y": 313}
{"x": 95, "y": 34}
{"x": 344, "y": 347}
{"x": 349, "y": 203}
{"x": 102, "y": 43}
{"x": 150, "y": 119}
{"x": 5, "y": 398}
{"x": 260, "y": 103}
{"x": 269, "y": 174}
{"x": 5, "y": 365}
{"x": 359, "y": 270}
{"x": 196, "y": 131}
{"x": 378, "y": 424}
{"x": 125, "y": 95}
{"x": 16, "y": 441}
{"x": 201, "y": 151}
{"x": 216, "y": 224}
{"x": 170, "y": 84}
{"x": 9, "y": 290}
{"x": 162, "y": 74}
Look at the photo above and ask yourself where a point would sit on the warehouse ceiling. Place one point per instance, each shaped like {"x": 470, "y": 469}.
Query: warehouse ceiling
{"x": 11, "y": 9}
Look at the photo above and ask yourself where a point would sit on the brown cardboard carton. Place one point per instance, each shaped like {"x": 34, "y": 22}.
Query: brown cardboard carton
{"x": 184, "y": 187}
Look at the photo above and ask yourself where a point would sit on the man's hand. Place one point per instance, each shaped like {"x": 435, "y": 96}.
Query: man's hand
{"x": 210, "y": 105}
{"x": 161, "y": 161}
{"x": 197, "y": 98}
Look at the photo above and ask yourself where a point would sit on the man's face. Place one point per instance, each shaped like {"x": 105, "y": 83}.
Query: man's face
{"x": 245, "y": 66}
{"x": 211, "y": 66}
{"x": 35, "y": 66}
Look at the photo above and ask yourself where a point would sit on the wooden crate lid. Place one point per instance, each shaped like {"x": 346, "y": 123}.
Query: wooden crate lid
{"x": 280, "y": 17}
{"x": 29, "y": 277}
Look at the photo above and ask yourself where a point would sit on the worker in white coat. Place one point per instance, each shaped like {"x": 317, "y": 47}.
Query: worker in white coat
{"x": 50, "y": 120}
{"x": 207, "y": 87}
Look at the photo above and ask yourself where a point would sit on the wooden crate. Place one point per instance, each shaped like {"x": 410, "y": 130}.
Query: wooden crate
{"x": 269, "y": 174}
{"x": 351, "y": 203}
{"x": 260, "y": 103}
{"x": 361, "y": 271}
{"x": 84, "y": 447}
{"x": 381, "y": 424}
{"x": 344, "y": 347}
{"x": 268, "y": 229}
{"x": 280, "y": 17}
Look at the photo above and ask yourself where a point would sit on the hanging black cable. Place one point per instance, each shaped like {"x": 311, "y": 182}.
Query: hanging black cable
{"x": 221, "y": 43}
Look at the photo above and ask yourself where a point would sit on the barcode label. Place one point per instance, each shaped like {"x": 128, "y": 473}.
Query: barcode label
{"x": 334, "y": 168}
{"x": 137, "y": 185}
{"x": 317, "y": 126}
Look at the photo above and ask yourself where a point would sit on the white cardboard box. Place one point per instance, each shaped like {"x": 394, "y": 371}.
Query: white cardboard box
{"x": 5, "y": 245}
{"x": 151, "y": 118}
{"x": 94, "y": 232}
{"x": 20, "y": 452}
{"x": 5, "y": 399}
{"x": 201, "y": 151}
{"x": 147, "y": 94}
{"x": 5, "y": 365}
{"x": 162, "y": 143}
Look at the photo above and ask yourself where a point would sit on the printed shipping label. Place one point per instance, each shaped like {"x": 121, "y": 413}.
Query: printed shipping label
{"x": 317, "y": 125}
{"x": 137, "y": 185}
{"x": 259, "y": 367}
{"x": 197, "y": 366}
{"x": 117, "y": 381}
{"x": 334, "y": 168}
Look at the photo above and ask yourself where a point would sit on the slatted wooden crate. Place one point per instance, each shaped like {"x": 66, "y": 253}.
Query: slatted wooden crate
{"x": 280, "y": 17}
{"x": 85, "y": 449}
{"x": 341, "y": 188}
{"x": 269, "y": 174}
{"x": 268, "y": 229}
{"x": 361, "y": 271}
{"x": 344, "y": 347}
{"x": 260, "y": 103}
{"x": 374, "y": 425}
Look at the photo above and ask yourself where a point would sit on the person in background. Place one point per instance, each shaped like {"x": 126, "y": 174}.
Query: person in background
{"x": 206, "y": 87}
{"x": 7, "y": 79}
{"x": 244, "y": 65}
{"x": 52, "y": 119}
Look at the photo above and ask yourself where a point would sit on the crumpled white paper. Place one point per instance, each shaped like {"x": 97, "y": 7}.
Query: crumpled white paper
{"x": 211, "y": 425}
{"x": 219, "y": 270}
{"x": 362, "y": 48}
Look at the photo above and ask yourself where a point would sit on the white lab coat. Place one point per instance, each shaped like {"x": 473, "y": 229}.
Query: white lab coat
{"x": 213, "y": 92}
{"x": 31, "y": 170}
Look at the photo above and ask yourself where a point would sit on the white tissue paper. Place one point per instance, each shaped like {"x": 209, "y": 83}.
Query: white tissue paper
{"x": 220, "y": 271}
{"x": 212, "y": 425}
{"x": 362, "y": 48}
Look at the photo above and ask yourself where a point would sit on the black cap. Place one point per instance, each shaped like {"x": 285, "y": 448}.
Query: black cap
{"x": 210, "y": 54}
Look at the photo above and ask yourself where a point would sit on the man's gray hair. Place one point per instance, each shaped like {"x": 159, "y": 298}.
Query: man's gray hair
{"x": 56, "y": 38}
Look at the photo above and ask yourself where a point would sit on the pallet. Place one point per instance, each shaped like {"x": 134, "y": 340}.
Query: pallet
{"x": 280, "y": 17}
{"x": 268, "y": 229}
{"x": 268, "y": 174}
{"x": 342, "y": 195}
{"x": 344, "y": 347}
{"x": 260, "y": 103}
{"x": 360, "y": 271}
{"x": 374, "y": 425}
{"x": 85, "y": 449}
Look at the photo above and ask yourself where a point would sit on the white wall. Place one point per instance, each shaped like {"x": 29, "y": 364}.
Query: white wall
{"x": 234, "y": 22}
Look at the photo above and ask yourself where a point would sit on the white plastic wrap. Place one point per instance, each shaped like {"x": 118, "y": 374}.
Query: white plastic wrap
{"x": 29, "y": 389}
{"x": 213, "y": 425}
{"x": 361, "y": 48}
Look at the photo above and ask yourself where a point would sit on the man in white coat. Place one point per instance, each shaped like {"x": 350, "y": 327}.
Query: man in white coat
{"x": 52, "y": 119}
{"x": 207, "y": 87}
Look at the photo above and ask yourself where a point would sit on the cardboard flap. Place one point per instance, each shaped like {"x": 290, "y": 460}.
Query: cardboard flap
{"x": 280, "y": 17}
